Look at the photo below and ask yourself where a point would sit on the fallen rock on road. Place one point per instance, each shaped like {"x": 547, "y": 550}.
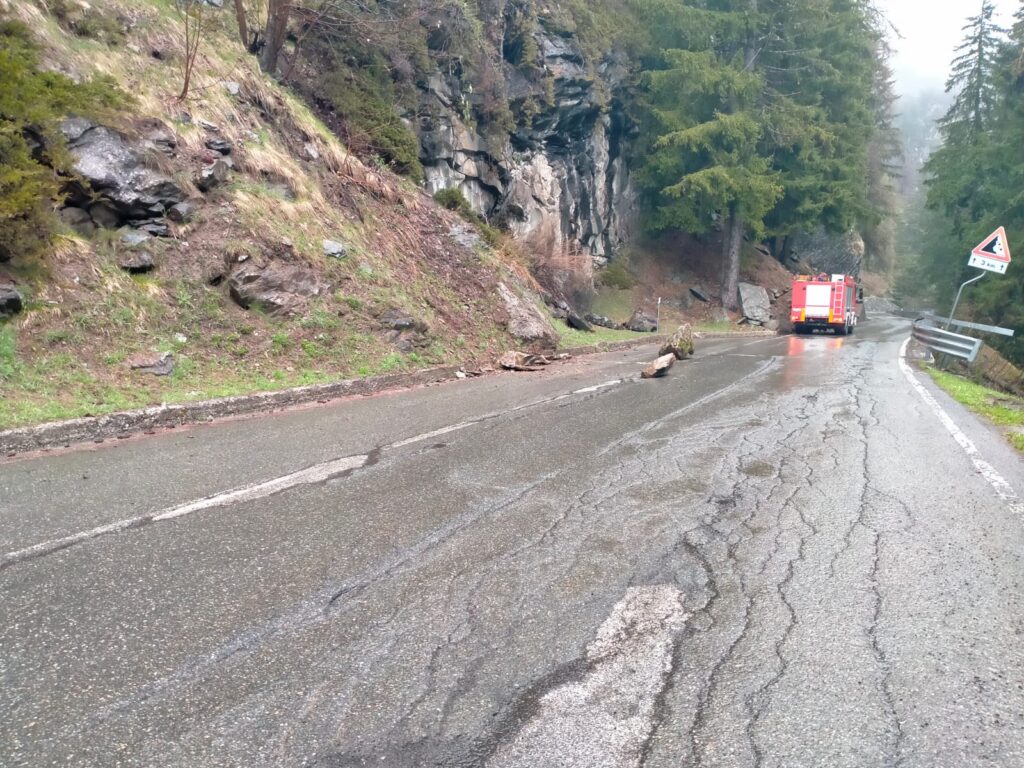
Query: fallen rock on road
{"x": 681, "y": 343}
{"x": 522, "y": 361}
{"x": 659, "y": 367}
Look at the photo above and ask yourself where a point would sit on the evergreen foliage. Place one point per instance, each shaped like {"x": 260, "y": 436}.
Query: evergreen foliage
{"x": 976, "y": 178}
{"x": 761, "y": 114}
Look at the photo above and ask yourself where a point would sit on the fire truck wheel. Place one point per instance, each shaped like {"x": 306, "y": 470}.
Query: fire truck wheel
{"x": 842, "y": 330}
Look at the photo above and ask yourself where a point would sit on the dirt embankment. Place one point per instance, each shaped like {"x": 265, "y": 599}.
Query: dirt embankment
{"x": 293, "y": 262}
{"x": 685, "y": 272}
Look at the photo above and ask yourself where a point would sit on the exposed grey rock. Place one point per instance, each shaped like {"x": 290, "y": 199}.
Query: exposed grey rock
{"x": 526, "y": 322}
{"x": 78, "y": 219}
{"x": 604, "y": 322}
{"x": 231, "y": 87}
{"x": 575, "y": 321}
{"x": 213, "y": 175}
{"x": 311, "y": 151}
{"x": 558, "y": 180}
{"x": 136, "y": 262}
{"x": 559, "y": 309}
{"x": 829, "y": 253}
{"x": 218, "y": 144}
{"x": 641, "y": 322}
{"x": 772, "y": 325}
{"x": 878, "y": 305}
{"x": 73, "y": 128}
{"x": 700, "y": 294}
{"x": 116, "y": 171}
{"x": 154, "y": 228}
{"x": 209, "y": 127}
{"x": 408, "y": 341}
{"x": 755, "y": 303}
{"x": 160, "y": 138}
{"x": 182, "y": 212}
{"x": 11, "y": 302}
{"x": 658, "y": 368}
{"x": 105, "y": 215}
{"x": 398, "y": 320}
{"x": 134, "y": 237}
{"x": 334, "y": 249}
{"x": 158, "y": 365}
{"x": 278, "y": 288}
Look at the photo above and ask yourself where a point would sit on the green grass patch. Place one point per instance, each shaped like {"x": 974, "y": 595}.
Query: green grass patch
{"x": 1001, "y": 409}
{"x": 8, "y": 352}
{"x": 570, "y": 337}
{"x": 614, "y": 303}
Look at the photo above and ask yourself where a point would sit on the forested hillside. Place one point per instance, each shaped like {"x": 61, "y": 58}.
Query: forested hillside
{"x": 975, "y": 179}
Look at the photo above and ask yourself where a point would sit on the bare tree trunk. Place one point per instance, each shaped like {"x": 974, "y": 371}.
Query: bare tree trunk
{"x": 243, "y": 24}
{"x": 733, "y": 246}
{"x": 278, "y": 12}
{"x": 192, "y": 18}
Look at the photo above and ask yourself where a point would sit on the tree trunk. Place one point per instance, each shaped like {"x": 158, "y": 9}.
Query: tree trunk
{"x": 243, "y": 24}
{"x": 787, "y": 248}
{"x": 278, "y": 12}
{"x": 733, "y": 243}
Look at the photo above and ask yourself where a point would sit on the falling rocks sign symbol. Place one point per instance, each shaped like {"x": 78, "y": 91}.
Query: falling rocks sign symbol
{"x": 993, "y": 253}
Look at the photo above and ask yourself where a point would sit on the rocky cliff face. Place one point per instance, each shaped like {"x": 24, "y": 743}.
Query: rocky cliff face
{"x": 827, "y": 252}
{"x": 555, "y": 173}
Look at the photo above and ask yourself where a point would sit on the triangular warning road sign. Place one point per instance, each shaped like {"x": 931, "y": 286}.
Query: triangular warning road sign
{"x": 994, "y": 247}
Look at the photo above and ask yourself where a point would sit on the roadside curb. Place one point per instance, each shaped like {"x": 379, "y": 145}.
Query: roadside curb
{"x": 116, "y": 426}
{"x": 58, "y": 434}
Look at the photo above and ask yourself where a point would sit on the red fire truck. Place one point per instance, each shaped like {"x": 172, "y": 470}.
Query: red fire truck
{"x": 825, "y": 302}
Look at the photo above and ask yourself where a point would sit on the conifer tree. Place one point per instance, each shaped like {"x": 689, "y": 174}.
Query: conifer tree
{"x": 759, "y": 115}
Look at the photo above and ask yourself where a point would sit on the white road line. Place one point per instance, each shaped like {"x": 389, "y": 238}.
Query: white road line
{"x": 1002, "y": 488}
{"x": 429, "y": 435}
{"x": 315, "y": 474}
{"x": 598, "y": 387}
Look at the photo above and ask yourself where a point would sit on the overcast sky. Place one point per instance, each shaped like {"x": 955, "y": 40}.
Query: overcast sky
{"x": 929, "y": 31}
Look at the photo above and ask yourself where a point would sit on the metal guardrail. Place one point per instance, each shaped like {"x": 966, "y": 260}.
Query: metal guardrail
{"x": 946, "y": 342}
{"x": 936, "y": 320}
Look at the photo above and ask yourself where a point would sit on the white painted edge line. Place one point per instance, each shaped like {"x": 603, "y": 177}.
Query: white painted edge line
{"x": 431, "y": 435}
{"x": 315, "y": 474}
{"x": 1002, "y": 488}
{"x": 598, "y": 387}
{"x": 318, "y": 473}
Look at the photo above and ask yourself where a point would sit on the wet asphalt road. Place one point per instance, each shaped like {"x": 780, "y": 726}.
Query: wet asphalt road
{"x": 776, "y": 556}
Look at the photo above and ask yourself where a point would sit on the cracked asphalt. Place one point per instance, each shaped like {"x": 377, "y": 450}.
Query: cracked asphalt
{"x": 776, "y": 556}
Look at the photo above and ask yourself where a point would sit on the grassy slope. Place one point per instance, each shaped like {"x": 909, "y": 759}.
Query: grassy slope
{"x": 66, "y": 356}
{"x": 1001, "y": 409}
